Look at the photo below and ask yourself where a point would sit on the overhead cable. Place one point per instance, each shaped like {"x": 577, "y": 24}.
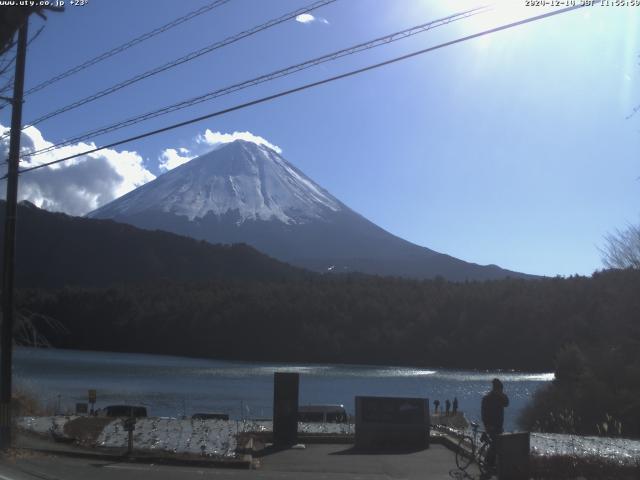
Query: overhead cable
{"x": 5, "y": 67}
{"x": 306, "y": 86}
{"x": 179, "y": 61}
{"x": 262, "y": 79}
{"x": 126, "y": 46}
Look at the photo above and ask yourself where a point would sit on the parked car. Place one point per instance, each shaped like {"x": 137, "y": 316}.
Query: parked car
{"x": 322, "y": 414}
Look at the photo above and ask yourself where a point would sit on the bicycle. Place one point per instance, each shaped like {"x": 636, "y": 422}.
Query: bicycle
{"x": 474, "y": 448}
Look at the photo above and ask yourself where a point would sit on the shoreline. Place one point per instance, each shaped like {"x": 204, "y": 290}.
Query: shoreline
{"x": 293, "y": 363}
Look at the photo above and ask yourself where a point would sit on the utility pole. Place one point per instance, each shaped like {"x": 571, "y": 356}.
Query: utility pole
{"x": 6, "y": 332}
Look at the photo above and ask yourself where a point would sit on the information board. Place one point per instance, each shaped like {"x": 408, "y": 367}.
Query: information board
{"x": 392, "y": 423}
{"x": 392, "y": 410}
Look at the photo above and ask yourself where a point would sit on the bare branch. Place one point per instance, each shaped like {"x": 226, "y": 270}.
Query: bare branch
{"x": 622, "y": 248}
{"x": 26, "y": 332}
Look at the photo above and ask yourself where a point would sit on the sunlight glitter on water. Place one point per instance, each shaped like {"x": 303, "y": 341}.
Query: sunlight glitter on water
{"x": 466, "y": 376}
{"x": 176, "y": 386}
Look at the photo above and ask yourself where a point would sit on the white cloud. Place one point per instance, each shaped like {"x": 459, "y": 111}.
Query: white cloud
{"x": 305, "y": 18}
{"x": 171, "y": 158}
{"x": 82, "y": 184}
{"x": 308, "y": 18}
{"x": 206, "y": 142}
{"x": 79, "y": 185}
{"x": 218, "y": 138}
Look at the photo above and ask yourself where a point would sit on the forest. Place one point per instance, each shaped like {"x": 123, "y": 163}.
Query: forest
{"x": 586, "y": 329}
{"x": 102, "y": 285}
{"x": 504, "y": 324}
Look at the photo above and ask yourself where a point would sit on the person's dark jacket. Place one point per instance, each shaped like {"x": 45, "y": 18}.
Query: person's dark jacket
{"x": 493, "y": 404}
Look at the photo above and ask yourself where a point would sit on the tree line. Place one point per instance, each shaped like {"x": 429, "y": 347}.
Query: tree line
{"x": 586, "y": 329}
{"x": 506, "y": 324}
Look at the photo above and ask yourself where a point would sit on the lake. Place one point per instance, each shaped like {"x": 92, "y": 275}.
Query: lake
{"x": 175, "y": 386}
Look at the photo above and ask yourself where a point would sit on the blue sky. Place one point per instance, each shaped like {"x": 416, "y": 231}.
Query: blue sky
{"x": 514, "y": 149}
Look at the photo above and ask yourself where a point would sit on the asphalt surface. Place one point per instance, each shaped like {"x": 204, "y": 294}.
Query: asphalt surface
{"x": 315, "y": 462}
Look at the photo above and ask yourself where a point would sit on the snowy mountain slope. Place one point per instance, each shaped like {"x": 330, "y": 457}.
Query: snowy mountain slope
{"x": 244, "y": 192}
{"x": 251, "y": 179}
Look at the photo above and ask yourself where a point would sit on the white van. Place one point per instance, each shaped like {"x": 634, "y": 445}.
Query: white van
{"x": 322, "y": 414}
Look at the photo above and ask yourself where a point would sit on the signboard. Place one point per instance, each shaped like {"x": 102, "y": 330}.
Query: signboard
{"x": 392, "y": 410}
{"x": 92, "y": 396}
{"x": 392, "y": 423}
{"x": 285, "y": 408}
{"x": 129, "y": 424}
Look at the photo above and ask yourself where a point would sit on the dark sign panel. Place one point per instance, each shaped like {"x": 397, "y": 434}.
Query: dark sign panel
{"x": 392, "y": 410}
{"x": 392, "y": 423}
{"x": 129, "y": 424}
{"x": 285, "y": 408}
{"x": 125, "y": 411}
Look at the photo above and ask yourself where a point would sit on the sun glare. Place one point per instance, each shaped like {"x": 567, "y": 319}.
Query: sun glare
{"x": 490, "y": 14}
{"x": 497, "y": 13}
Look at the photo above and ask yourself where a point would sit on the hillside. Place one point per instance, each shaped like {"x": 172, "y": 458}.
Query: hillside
{"x": 56, "y": 250}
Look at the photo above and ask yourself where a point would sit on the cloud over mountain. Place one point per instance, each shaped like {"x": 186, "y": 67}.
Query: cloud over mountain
{"x": 79, "y": 185}
{"x": 216, "y": 139}
{"x": 171, "y": 158}
{"x": 83, "y": 184}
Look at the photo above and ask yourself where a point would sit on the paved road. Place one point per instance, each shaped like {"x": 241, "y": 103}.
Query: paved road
{"x": 316, "y": 462}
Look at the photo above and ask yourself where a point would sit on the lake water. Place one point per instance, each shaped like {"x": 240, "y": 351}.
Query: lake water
{"x": 173, "y": 386}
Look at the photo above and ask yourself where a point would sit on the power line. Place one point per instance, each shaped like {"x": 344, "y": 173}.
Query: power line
{"x": 264, "y": 78}
{"x": 7, "y": 47}
{"x": 7, "y": 64}
{"x": 186, "y": 58}
{"x": 127, "y": 45}
{"x": 6, "y": 87}
{"x": 4, "y": 68}
{"x": 307, "y": 86}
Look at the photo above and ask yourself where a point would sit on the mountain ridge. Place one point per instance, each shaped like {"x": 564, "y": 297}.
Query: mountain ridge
{"x": 281, "y": 212}
{"x": 57, "y": 250}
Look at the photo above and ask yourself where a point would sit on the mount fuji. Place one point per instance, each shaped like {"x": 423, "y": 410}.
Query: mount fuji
{"x": 244, "y": 192}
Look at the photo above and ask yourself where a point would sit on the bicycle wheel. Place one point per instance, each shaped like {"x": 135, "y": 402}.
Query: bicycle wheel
{"x": 481, "y": 458}
{"x": 464, "y": 452}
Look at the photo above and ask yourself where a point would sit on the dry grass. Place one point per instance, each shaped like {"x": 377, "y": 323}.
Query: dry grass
{"x": 26, "y": 403}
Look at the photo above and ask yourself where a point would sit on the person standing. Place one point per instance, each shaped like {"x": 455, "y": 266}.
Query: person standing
{"x": 436, "y": 404}
{"x": 455, "y": 405}
{"x": 492, "y": 409}
{"x": 447, "y": 405}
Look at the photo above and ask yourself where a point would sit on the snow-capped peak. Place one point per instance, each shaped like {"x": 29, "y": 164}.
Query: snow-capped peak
{"x": 240, "y": 177}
